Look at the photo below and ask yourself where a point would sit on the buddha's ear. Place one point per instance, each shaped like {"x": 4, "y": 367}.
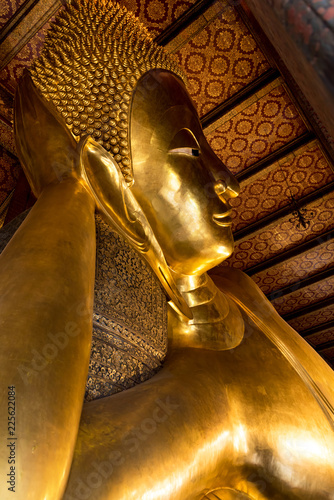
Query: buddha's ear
{"x": 44, "y": 144}
{"x": 121, "y": 210}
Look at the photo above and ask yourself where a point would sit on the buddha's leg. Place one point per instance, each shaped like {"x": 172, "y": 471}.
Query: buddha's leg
{"x": 46, "y": 301}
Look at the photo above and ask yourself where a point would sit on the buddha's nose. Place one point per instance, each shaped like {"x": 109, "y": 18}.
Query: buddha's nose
{"x": 227, "y": 186}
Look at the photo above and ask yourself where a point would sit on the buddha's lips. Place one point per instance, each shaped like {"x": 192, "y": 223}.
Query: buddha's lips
{"x": 224, "y": 219}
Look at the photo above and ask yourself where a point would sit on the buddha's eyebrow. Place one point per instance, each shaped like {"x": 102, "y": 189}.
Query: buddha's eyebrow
{"x": 185, "y": 151}
{"x": 184, "y": 137}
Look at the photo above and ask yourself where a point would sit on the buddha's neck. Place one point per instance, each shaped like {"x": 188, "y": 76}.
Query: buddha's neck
{"x": 206, "y": 301}
{"x": 216, "y": 322}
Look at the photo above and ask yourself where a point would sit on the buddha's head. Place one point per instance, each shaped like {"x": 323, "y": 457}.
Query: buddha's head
{"x": 178, "y": 180}
{"x": 108, "y": 79}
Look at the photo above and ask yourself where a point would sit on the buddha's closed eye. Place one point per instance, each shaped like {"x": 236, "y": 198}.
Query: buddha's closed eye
{"x": 185, "y": 143}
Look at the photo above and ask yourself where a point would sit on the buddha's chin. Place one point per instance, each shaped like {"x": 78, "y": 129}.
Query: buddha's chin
{"x": 222, "y": 249}
{"x": 200, "y": 264}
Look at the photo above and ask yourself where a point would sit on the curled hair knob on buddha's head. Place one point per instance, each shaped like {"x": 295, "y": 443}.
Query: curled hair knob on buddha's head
{"x": 93, "y": 57}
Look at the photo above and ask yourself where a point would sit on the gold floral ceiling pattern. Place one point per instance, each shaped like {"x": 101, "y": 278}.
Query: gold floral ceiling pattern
{"x": 223, "y": 46}
{"x": 297, "y": 175}
{"x": 157, "y": 14}
{"x": 305, "y": 297}
{"x": 321, "y": 338}
{"x": 314, "y": 318}
{"x": 258, "y": 123}
{"x": 258, "y": 130}
{"x": 8, "y": 9}
{"x": 296, "y": 269}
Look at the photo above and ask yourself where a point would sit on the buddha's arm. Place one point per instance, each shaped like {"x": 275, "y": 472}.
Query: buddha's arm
{"x": 46, "y": 290}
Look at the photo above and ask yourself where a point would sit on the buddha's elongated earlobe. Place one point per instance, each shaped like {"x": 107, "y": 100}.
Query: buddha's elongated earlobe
{"x": 121, "y": 210}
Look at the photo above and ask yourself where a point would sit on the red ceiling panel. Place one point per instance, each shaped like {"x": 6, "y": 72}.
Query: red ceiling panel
{"x": 8, "y": 9}
{"x": 157, "y": 15}
{"x": 11, "y": 73}
{"x": 258, "y": 130}
{"x": 220, "y": 59}
{"x": 329, "y": 353}
{"x": 6, "y": 105}
{"x": 7, "y": 137}
{"x": 313, "y": 319}
{"x": 292, "y": 270}
{"x": 271, "y": 189}
{"x": 321, "y": 337}
{"x": 282, "y": 235}
{"x": 305, "y": 297}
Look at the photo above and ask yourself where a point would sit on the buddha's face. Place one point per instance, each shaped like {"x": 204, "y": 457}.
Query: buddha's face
{"x": 179, "y": 182}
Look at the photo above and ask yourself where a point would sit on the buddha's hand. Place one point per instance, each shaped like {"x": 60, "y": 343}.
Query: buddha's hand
{"x": 46, "y": 148}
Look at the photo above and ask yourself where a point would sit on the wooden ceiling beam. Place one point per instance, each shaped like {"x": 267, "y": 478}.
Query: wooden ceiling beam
{"x": 306, "y": 310}
{"x": 4, "y": 120}
{"x": 281, "y": 153}
{"x": 17, "y": 18}
{"x": 317, "y": 329}
{"x": 257, "y": 226}
{"x": 291, "y": 253}
{"x": 324, "y": 346}
{"x": 298, "y": 285}
{"x": 23, "y": 25}
{"x": 245, "y": 93}
{"x": 275, "y": 60}
{"x": 183, "y": 21}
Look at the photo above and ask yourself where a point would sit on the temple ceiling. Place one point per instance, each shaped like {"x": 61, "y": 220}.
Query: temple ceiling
{"x": 258, "y": 122}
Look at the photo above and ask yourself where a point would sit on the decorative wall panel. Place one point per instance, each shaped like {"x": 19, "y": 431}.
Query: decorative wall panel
{"x": 9, "y": 173}
{"x": 6, "y": 105}
{"x": 130, "y": 318}
{"x": 7, "y": 137}
{"x": 263, "y": 127}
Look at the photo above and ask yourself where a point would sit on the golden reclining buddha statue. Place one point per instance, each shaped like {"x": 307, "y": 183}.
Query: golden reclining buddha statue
{"x": 242, "y": 406}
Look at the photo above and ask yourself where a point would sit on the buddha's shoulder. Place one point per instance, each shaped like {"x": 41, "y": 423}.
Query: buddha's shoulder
{"x": 241, "y": 288}
{"x": 314, "y": 371}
